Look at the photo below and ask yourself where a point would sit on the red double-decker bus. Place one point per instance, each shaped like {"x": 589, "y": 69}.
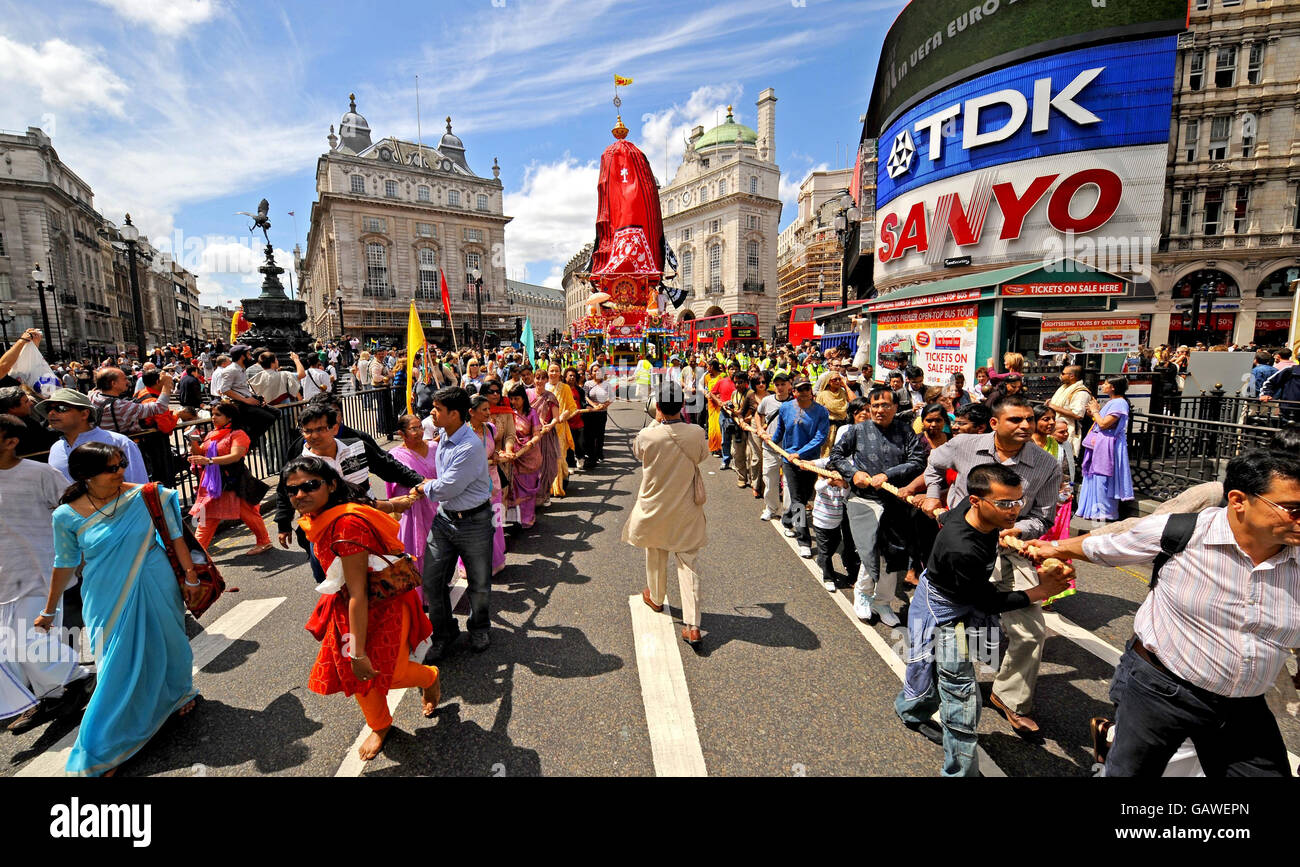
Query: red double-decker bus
{"x": 719, "y": 331}
{"x": 801, "y": 320}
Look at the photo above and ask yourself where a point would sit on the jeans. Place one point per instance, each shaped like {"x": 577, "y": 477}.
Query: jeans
{"x": 1234, "y": 737}
{"x": 954, "y": 695}
{"x": 470, "y": 540}
{"x": 802, "y": 486}
{"x": 726, "y": 426}
{"x": 864, "y": 519}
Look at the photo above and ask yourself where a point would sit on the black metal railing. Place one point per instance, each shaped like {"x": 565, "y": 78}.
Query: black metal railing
{"x": 1168, "y": 454}
{"x": 1217, "y": 405}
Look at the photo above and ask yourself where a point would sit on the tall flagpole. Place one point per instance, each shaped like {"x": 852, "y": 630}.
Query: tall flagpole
{"x": 419, "y": 134}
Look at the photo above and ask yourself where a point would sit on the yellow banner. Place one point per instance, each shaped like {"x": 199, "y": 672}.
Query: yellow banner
{"x": 414, "y": 343}
{"x": 620, "y": 81}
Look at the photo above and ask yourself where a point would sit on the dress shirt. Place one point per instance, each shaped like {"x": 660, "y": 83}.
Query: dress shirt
{"x": 1215, "y": 619}
{"x": 1039, "y": 472}
{"x": 123, "y": 415}
{"x": 462, "y": 466}
{"x": 802, "y": 431}
{"x": 136, "y": 473}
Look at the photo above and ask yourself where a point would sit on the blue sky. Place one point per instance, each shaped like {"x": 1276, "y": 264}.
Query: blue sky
{"x": 183, "y": 112}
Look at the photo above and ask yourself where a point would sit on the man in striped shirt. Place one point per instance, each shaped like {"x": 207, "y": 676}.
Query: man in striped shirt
{"x": 1214, "y": 633}
{"x": 1040, "y": 473}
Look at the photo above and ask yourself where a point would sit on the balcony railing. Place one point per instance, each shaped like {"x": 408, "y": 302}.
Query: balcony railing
{"x": 756, "y": 286}
{"x": 68, "y": 299}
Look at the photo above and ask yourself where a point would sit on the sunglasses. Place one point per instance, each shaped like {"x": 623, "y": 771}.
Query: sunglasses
{"x": 63, "y": 407}
{"x": 114, "y": 468}
{"x": 1292, "y": 511}
{"x": 305, "y": 487}
{"x": 1004, "y": 504}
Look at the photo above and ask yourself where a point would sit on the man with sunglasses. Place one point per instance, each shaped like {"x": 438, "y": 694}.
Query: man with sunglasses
{"x": 955, "y": 607}
{"x": 72, "y": 416}
{"x": 1214, "y": 632}
{"x": 1040, "y": 473}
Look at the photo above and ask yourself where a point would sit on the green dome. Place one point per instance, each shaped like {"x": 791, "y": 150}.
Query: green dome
{"x": 726, "y": 134}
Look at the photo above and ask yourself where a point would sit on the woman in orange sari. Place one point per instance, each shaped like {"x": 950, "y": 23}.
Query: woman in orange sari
{"x": 365, "y": 645}
{"x": 564, "y": 395}
{"x": 715, "y": 425}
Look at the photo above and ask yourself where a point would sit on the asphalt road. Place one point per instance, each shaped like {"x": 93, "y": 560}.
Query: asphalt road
{"x": 787, "y": 682}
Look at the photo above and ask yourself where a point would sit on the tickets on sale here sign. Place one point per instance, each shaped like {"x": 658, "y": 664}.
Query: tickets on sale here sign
{"x": 942, "y": 338}
{"x": 1089, "y": 335}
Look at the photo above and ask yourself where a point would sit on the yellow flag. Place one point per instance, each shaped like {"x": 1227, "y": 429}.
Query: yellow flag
{"x": 620, "y": 81}
{"x": 414, "y": 343}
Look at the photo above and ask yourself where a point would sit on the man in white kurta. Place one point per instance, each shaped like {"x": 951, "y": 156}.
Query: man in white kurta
{"x": 35, "y": 666}
{"x": 666, "y": 519}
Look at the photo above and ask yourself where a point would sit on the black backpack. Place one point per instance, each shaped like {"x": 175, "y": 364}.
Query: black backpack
{"x": 1178, "y": 532}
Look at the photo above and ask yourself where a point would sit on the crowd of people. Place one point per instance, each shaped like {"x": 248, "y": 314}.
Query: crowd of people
{"x": 960, "y": 495}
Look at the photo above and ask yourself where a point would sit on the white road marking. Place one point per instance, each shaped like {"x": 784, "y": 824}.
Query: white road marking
{"x": 674, "y": 741}
{"x": 988, "y": 767}
{"x": 207, "y": 646}
{"x": 352, "y": 765}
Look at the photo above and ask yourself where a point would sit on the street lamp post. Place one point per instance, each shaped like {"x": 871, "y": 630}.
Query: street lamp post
{"x": 475, "y": 276}
{"x": 338, "y": 296}
{"x": 38, "y": 282}
{"x": 6, "y": 317}
{"x": 131, "y": 236}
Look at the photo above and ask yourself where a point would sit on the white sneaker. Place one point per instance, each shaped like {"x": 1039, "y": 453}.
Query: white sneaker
{"x": 830, "y": 586}
{"x": 766, "y": 516}
{"x": 885, "y": 613}
{"x": 805, "y": 552}
{"x": 861, "y": 607}
{"x": 788, "y": 532}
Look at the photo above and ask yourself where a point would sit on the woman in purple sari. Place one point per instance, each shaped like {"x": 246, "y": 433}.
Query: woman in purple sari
{"x": 547, "y": 408}
{"x": 1106, "y": 476}
{"x": 416, "y": 453}
{"x": 526, "y": 457}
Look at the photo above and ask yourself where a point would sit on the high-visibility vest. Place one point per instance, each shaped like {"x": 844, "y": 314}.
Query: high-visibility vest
{"x": 643, "y": 372}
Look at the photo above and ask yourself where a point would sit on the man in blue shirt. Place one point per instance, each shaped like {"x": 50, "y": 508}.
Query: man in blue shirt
{"x": 801, "y": 428}
{"x": 72, "y": 416}
{"x": 463, "y": 526}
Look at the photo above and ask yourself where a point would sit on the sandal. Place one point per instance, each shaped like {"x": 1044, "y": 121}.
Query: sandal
{"x": 260, "y": 549}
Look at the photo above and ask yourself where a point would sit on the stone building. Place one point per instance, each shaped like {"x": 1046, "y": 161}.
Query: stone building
{"x": 541, "y": 304}
{"x": 575, "y": 287}
{"x": 721, "y": 213}
{"x": 215, "y": 323}
{"x": 389, "y": 216}
{"x": 809, "y": 252}
{"x": 1232, "y": 197}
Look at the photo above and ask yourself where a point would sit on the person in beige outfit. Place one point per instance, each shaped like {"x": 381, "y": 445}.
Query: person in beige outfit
{"x": 1070, "y": 402}
{"x": 667, "y": 519}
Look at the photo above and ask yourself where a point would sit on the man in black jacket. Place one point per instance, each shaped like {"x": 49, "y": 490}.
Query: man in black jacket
{"x": 352, "y": 453}
{"x": 868, "y": 455}
{"x": 189, "y": 394}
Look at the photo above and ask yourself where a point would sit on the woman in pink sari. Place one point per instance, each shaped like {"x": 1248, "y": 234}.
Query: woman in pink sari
{"x": 480, "y": 410}
{"x": 416, "y": 453}
{"x": 526, "y": 457}
{"x": 547, "y": 408}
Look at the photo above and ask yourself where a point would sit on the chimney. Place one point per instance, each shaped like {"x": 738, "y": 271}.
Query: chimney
{"x": 767, "y": 124}
{"x": 696, "y": 135}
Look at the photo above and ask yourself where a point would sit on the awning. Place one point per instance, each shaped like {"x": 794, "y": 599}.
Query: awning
{"x": 971, "y": 287}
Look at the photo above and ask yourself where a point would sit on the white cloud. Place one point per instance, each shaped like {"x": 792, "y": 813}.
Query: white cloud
{"x": 554, "y": 214}
{"x": 789, "y": 191}
{"x": 225, "y": 267}
{"x": 64, "y": 75}
{"x": 706, "y": 106}
{"x": 168, "y": 17}
{"x": 555, "y": 279}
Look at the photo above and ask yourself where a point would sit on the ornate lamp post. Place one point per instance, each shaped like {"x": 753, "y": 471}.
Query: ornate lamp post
{"x": 338, "y": 297}
{"x": 131, "y": 236}
{"x": 38, "y": 283}
{"x": 475, "y": 277}
{"x": 846, "y": 217}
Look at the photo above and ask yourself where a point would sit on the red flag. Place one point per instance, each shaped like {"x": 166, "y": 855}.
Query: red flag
{"x": 446, "y": 296}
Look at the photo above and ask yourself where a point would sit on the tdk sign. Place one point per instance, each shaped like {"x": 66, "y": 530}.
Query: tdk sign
{"x": 1109, "y": 96}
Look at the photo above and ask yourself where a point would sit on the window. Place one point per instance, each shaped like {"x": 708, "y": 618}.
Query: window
{"x": 453, "y": 198}
{"x": 1241, "y": 209}
{"x": 422, "y": 193}
{"x": 425, "y": 230}
{"x": 358, "y": 184}
{"x": 722, "y": 187}
{"x": 482, "y": 202}
{"x": 688, "y": 268}
{"x": 1295, "y": 210}
{"x": 1202, "y": 5}
{"x": 375, "y": 224}
{"x": 751, "y": 261}
{"x": 715, "y": 225}
{"x": 428, "y": 273}
{"x": 1191, "y": 130}
{"x": 715, "y": 268}
{"x": 474, "y": 235}
{"x": 1185, "y": 212}
{"x": 1196, "y": 70}
{"x": 1225, "y": 66}
{"x": 1248, "y": 135}
{"x": 1231, "y": 2}
{"x": 472, "y": 261}
{"x": 390, "y": 189}
{"x": 6, "y": 290}
{"x": 1220, "y": 129}
{"x": 1255, "y": 63}
{"x": 704, "y": 194}
{"x": 752, "y": 221}
{"x": 1213, "y": 210}
{"x": 377, "y": 270}
{"x": 686, "y": 234}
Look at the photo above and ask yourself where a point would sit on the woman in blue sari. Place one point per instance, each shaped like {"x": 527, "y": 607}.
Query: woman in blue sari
{"x": 131, "y": 603}
{"x": 1106, "y": 476}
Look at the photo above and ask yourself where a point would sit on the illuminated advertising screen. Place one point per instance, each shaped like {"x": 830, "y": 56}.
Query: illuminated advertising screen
{"x": 1000, "y": 168}
{"x": 935, "y": 44}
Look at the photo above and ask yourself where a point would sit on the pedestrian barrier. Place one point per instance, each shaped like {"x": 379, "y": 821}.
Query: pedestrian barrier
{"x": 1170, "y": 453}
{"x": 1217, "y": 405}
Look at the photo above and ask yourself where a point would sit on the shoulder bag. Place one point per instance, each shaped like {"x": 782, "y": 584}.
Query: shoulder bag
{"x": 701, "y": 495}
{"x": 398, "y": 577}
{"x": 205, "y": 572}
